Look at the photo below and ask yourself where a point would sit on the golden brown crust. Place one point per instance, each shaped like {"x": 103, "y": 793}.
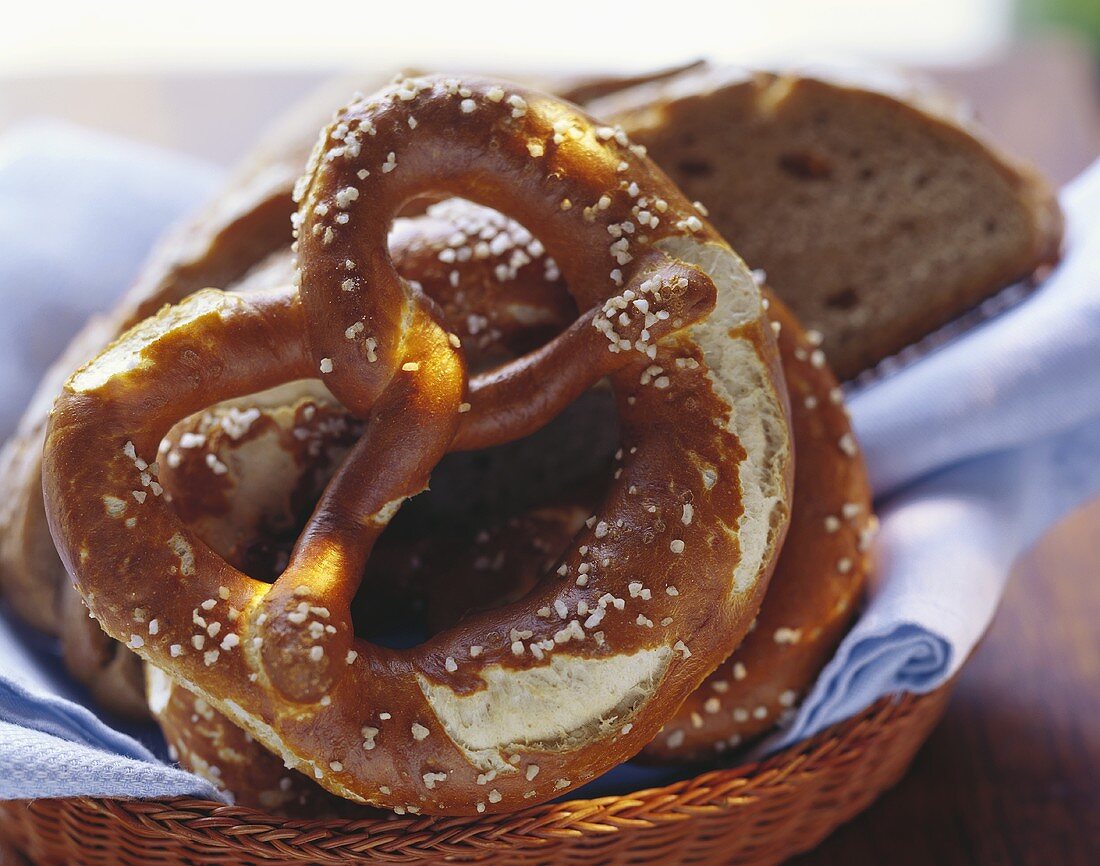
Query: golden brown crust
{"x": 310, "y": 693}
{"x": 822, "y": 569}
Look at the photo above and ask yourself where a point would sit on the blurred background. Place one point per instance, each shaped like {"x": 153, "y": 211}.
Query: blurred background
{"x": 202, "y": 76}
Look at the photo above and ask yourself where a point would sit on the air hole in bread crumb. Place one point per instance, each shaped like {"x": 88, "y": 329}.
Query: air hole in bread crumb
{"x": 695, "y": 167}
{"x": 845, "y": 299}
{"x": 806, "y": 165}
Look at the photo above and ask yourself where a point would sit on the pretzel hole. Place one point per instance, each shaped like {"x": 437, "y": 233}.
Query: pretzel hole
{"x": 488, "y": 273}
{"x": 246, "y": 482}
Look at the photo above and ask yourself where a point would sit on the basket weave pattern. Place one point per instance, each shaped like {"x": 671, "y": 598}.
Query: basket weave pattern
{"x": 752, "y": 814}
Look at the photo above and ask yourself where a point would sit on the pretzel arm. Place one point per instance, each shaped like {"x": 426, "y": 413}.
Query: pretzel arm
{"x": 515, "y": 399}
{"x": 410, "y": 429}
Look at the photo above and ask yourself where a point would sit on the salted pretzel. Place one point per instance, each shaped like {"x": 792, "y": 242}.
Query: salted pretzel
{"x": 695, "y": 515}
{"x": 811, "y": 598}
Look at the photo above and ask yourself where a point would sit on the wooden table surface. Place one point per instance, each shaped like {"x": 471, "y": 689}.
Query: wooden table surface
{"x": 1012, "y": 775}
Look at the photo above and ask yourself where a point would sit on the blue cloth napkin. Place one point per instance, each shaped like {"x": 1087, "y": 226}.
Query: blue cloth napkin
{"x": 974, "y": 451}
{"x": 78, "y": 213}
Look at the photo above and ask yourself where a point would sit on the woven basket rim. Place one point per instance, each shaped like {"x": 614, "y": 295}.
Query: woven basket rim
{"x": 408, "y": 838}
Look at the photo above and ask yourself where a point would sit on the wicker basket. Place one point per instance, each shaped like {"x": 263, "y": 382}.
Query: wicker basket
{"x": 752, "y": 814}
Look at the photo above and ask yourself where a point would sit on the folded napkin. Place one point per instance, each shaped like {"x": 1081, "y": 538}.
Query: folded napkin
{"x": 973, "y": 451}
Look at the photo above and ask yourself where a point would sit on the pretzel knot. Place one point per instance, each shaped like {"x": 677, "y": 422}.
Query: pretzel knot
{"x": 519, "y": 704}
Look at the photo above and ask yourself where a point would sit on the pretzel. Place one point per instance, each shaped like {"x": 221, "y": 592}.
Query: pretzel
{"x": 819, "y": 575}
{"x": 811, "y": 598}
{"x": 701, "y": 500}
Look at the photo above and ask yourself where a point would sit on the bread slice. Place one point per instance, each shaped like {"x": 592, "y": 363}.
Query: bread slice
{"x": 876, "y": 209}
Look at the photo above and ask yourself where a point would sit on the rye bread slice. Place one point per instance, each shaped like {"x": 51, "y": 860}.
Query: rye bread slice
{"x": 876, "y": 208}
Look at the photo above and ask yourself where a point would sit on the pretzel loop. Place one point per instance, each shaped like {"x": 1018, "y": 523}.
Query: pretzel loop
{"x": 493, "y": 154}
